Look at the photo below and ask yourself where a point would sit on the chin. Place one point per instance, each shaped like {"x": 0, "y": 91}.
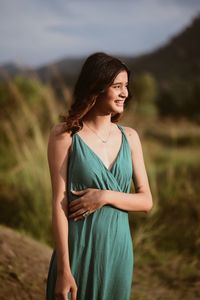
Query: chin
{"x": 116, "y": 110}
{"x": 119, "y": 110}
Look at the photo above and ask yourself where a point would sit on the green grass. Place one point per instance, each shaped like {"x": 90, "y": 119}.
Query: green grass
{"x": 166, "y": 241}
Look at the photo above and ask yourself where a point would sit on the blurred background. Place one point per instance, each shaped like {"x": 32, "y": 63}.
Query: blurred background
{"x": 43, "y": 45}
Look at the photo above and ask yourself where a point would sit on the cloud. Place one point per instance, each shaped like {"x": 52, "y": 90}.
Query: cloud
{"x": 38, "y": 31}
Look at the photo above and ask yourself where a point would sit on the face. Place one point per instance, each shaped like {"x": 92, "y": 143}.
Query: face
{"x": 114, "y": 97}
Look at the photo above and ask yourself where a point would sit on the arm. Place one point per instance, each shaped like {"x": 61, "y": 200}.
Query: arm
{"x": 58, "y": 151}
{"x": 92, "y": 199}
{"x": 141, "y": 200}
{"x": 58, "y": 147}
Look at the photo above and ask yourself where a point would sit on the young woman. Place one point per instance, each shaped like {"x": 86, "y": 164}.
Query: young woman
{"x": 92, "y": 161}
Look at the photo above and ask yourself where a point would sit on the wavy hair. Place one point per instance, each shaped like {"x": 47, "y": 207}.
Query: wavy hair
{"x": 97, "y": 74}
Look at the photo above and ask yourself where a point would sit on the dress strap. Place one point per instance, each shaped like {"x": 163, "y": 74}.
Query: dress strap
{"x": 124, "y": 133}
{"x": 121, "y": 128}
{"x": 72, "y": 144}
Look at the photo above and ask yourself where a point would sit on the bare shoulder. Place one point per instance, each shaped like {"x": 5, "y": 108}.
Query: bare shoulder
{"x": 131, "y": 133}
{"x": 133, "y": 137}
{"x": 59, "y": 137}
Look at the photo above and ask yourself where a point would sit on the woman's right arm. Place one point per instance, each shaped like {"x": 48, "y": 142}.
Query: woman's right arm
{"x": 58, "y": 151}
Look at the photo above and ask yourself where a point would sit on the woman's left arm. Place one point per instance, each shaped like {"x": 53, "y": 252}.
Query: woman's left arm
{"x": 141, "y": 200}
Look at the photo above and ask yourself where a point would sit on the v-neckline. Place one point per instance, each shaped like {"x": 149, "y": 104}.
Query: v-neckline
{"x": 97, "y": 156}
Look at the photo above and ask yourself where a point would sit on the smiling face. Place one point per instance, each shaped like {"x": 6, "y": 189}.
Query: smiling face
{"x": 112, "y": 100}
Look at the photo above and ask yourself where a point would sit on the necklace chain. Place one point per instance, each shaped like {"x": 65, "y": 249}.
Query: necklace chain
{"x": 104, "y": 141}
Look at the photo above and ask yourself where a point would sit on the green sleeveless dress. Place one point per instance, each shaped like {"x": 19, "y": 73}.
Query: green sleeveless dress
{"x": 100, "y": 245}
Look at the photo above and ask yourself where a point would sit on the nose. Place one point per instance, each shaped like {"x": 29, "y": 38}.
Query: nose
{"x": 124, "y": 92}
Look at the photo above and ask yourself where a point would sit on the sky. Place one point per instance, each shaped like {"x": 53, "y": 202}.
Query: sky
{"x": 37, "y": 32}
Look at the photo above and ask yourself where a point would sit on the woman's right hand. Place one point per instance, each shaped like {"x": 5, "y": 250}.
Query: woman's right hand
{"x": 65, "y": 283}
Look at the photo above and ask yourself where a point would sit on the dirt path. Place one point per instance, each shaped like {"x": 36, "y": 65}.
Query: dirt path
{"x": 23, "y": 266}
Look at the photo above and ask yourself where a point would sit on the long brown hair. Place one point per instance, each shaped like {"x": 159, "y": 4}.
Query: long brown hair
{"x": 97, "y": 74}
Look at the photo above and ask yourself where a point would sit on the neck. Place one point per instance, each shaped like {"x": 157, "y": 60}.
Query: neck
{"x": 99, "y": 123}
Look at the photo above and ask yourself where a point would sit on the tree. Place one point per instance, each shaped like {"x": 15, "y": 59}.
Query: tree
{"x": 145, "y": 91}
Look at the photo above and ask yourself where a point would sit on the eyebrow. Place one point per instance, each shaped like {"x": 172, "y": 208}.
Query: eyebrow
{"x": 119, "y": 83}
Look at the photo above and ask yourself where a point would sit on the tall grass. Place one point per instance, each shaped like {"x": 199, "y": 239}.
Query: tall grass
{"x": 25, "y": 181}
{"x": 166, "y": 241}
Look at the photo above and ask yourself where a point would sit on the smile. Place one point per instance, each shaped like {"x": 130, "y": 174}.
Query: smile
{"x": 119, "y": 102}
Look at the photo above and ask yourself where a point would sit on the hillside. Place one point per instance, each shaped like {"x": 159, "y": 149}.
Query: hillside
{"x": 179, "y": 58}
{"x": 68, "y": 68}
{"x": 23, "y": 266}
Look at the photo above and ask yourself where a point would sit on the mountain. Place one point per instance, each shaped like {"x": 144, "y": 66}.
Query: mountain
{"x": 67, "y": 68}
{"x": 179, "y": 58}
{"x": 13, "y": 69}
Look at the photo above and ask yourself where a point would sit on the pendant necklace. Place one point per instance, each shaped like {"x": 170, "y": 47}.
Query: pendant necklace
{"x": 104, "y": 141}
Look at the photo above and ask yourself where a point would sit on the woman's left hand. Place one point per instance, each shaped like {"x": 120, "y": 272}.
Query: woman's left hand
{"x": 90, "y": 200}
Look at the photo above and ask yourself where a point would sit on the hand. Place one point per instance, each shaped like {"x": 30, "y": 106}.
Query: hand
{"x": 89, "y": 200}
{"x": 65, "y": 283}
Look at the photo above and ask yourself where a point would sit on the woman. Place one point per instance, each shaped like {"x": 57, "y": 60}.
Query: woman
{"x": 92, "y": 161}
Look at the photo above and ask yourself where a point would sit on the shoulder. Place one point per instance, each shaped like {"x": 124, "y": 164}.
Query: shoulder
{"x": 57, "y": 153}
{"x": 131, "y": 132}
{"x": 58, "y": 132}
{"x": 133, "y": 137}
{"x": 59, "y": 137}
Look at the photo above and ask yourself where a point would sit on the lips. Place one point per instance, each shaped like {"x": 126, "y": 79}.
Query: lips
{"x": 119, "y": 102}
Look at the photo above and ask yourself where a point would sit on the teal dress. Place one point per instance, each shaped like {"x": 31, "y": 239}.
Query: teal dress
{"x": 100, "y": 245}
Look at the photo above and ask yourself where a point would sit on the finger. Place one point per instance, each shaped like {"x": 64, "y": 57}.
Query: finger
{"x": 81, "y": 217}
{"x": 74, "y": 294}
{"x": 81, "y": 192}
{"x": 75, "y": 202}
{"x": 76, "y": 207}
{"x": 77, "y": 213}
{"x": 61, "y": 296}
